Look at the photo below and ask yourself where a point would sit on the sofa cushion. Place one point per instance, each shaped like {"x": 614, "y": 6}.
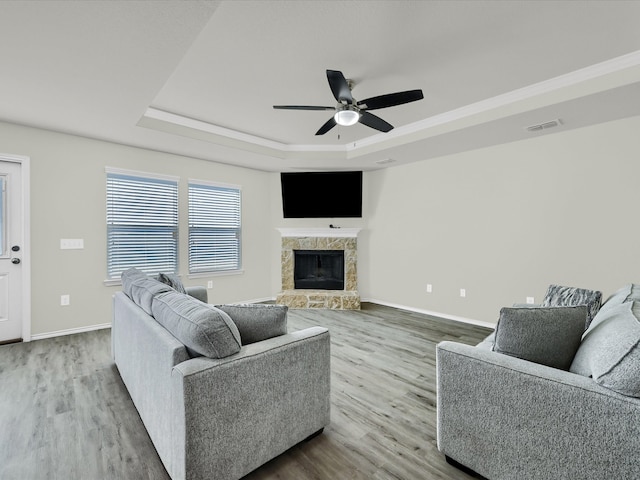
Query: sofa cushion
{"x": 610, "y": 351}
{"x": 257, "y": 322}
{"x": 173, "y": 281}
{"x": 141, "y": 288}
{"x": 545, "y": 335}
{"x": 202, "y": 328}
{"x": 559, "y": 296}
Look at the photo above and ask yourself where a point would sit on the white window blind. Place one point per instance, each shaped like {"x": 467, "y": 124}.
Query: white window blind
{"x": 214, "y": 227}
{"x": 142, "y": 224}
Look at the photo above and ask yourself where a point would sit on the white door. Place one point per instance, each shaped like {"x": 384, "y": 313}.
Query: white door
{"x": 11, "y": 245}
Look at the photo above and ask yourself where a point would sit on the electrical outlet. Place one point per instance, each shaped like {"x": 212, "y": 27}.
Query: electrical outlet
{"x": 210, "y": 284}
{"x": 463, "y": 292}
{"x": 65, "y": 300}
{"x": 429, "y": 288}
{"x": 531, "y": 300}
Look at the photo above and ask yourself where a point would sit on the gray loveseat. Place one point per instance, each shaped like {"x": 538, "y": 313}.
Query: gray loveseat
{"x": 507, "y": 418}
{"x": 217, "y": 418}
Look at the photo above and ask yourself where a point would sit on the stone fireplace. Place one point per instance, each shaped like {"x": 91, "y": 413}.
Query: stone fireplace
{"x": 319, "y": 268}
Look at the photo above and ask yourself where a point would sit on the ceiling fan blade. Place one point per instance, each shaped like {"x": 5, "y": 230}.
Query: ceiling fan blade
{"x": 302, "y": 107}
{"x": 339, "y": 86}
{"x": 391, "y": 100}
{"x": 370, "y": 120}
{"x": 327, "y": 126}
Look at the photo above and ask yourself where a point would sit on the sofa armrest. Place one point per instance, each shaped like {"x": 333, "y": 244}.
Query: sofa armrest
{"x": 504, "y": 418}
{"x": 237, "y": 413}
{"x": 198, "y": 292}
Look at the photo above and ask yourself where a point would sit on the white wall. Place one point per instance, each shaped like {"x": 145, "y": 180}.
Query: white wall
{"x": 68, "y": 201}
{"x": 501, "y": 222}
{"x": 505, "y": 222}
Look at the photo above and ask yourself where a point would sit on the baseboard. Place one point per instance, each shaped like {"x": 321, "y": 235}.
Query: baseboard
{"x": 446, "y": 316}
{"x": 69, "y": 331}
{"x": 90, "y": 328}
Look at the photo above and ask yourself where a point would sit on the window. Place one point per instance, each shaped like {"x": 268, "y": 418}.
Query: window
{"x": 214, "y": 227}
{"x": 142, "y": 223}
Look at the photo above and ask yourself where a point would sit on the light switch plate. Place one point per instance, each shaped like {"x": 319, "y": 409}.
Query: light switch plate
{"x": 71, "y": 243}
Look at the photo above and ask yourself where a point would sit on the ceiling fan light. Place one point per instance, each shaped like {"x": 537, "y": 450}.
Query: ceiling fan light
{"x": 346, "y": 117}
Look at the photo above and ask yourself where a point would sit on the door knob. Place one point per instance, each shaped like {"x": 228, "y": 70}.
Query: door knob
{"x": 15, "y": 261}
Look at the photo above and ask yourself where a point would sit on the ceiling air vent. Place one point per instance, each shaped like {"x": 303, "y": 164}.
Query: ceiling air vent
{"x": 385, "y": 161}
{"x": 543, "y": 126}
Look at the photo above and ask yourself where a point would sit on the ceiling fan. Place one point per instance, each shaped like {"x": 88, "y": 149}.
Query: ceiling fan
{"x": 348, "y": 111}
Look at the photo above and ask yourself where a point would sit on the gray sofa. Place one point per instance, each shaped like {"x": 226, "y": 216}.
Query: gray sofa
{"x": 508, "y": 418}
{"x": 218, "y": 417}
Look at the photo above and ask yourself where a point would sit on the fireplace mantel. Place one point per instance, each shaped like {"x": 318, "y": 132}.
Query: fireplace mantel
{"x": 319, "y": 232}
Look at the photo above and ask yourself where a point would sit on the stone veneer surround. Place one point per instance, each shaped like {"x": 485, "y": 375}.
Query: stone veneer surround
{"x": 320, "y": 239}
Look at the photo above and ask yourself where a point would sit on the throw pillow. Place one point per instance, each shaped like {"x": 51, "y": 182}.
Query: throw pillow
{"x": 548, "y": 336}
{"x": 559, "y": 296}
{"x": 202, "y": 328}
{"x": 610, "y": 350}
{"x": 628, "y": 293}
{"x": 141, "y": 289}
{"x": 257, "y": 322}
{"x": 173, "y": 281}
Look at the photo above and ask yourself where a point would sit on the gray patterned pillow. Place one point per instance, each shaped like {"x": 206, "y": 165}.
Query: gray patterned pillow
{"x": 559, "y": 296}
{"x": 173, "y": 281}
{"x": 548, "y": 336}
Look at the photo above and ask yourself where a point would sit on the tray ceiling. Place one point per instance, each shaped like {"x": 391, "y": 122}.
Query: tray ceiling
{"x": 199, "y": 78}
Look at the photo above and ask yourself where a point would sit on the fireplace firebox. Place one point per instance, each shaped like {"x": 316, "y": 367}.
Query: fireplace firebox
{"x": 318, "y": 269}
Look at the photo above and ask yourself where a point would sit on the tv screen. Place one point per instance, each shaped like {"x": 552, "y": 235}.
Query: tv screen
{"x": 321, "y": 194}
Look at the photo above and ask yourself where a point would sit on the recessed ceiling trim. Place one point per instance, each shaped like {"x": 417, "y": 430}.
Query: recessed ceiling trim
{"x": 593, "y": 78}
{"x": 174, "y": 118}
{"x": 162, "y": 120}
{"x": 553, "y": 85}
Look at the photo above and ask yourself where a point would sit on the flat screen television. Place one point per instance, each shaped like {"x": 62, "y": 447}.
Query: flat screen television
{"x": 321, "y": 194}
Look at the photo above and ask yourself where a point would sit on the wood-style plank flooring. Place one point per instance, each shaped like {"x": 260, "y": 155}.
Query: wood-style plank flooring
{"x": 65, "y": 413}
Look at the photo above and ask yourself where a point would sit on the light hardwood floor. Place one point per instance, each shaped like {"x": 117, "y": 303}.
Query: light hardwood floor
{"x": 65, "y": 413}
